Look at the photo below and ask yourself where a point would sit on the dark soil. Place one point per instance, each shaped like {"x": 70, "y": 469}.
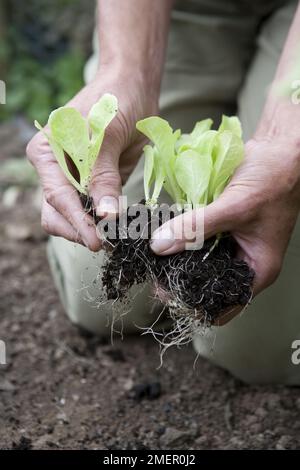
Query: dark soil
{"x": 64, "y": 389}
{"x": 206, "y": 281}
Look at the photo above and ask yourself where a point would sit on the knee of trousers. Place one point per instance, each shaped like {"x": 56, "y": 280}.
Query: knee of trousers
{"x": 77, "y": 275}
{"x": 251, "y": 354}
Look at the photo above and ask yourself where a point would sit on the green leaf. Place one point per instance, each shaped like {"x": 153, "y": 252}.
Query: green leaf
{"x": 60, "y": 157}
{"x": 70, "y": 131}
{"x": 148, "y": 170}
{"x": 100, "y": 116}
{"x": 228, "y": 156}
{"x": 193, "y": 140}
{"x": 232, "y": 124}
{"x": 193, "y": 173}
{"x": 201, "y": 127}
{"x": 70, "y": 135}
{"x": 206, "y": 142}
{"x": 159, "y": 176}
{"x": 161, "y": 134}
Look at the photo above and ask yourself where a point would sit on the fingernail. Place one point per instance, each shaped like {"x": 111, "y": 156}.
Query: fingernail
{"x": 162, "y": 240}
{"x": 91, "y": 244}
{"x": 107, "y": 205}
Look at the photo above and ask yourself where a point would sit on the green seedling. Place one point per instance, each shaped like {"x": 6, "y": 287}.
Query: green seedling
{"x": 79, "y": 138}
{"x": 193, "y": 168}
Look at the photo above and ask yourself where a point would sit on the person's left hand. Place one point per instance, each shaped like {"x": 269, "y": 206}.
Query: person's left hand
{"x": 259, "y": 207}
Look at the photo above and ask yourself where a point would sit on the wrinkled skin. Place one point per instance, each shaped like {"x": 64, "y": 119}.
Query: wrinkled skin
{"x": 259, "y": 207}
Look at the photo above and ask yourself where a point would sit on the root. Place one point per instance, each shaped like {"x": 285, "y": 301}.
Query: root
{"x": 195, "y": 286}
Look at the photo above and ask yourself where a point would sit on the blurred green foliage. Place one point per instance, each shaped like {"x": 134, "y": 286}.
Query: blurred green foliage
{"x": 41, "y": 56}
{"x": 34, "y": 89}
{"x": 17, "y": 172}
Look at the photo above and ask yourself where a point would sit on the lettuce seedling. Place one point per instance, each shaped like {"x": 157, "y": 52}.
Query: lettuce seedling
{"x": 160, "y": 159}
{"x": 79, "y": 138}
{"x": 193, "y": 168}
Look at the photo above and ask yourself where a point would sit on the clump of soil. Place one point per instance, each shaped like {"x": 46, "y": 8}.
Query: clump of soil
{"x": 188, "y": 280}
{"x": 206, "y": 282}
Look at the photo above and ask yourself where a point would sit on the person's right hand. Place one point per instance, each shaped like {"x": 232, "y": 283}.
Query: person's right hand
{"x": 62, "y": 211}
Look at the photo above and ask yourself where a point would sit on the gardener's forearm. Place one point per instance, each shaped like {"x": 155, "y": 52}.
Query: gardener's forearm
{"x": 281, "y": 114}
{"x": 133, "y": 37}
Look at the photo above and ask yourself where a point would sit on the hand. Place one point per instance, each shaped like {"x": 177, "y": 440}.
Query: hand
{"x": 259, "y": 207}
{"x": 62, "y": 212}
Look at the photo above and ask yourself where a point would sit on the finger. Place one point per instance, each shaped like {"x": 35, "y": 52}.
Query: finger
{"x": 66, "y": 201}
{"x": 189, "y": 230}
{"x": 106, "y": 187}
{"x": 55, "y": 224}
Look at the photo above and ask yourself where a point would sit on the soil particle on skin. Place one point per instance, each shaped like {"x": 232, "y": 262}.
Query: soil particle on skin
{"x": 54, "y": 367}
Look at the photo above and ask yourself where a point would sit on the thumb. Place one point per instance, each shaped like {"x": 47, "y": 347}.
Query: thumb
{"x": 190, "y": 229}
{"x": 106, "y": 186}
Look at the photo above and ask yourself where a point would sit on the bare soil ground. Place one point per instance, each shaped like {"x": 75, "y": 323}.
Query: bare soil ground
{"x": 64, "y": 389}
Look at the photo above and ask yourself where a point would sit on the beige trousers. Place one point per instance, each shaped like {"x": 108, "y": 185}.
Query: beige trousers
{"x": 220, "y": 55}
